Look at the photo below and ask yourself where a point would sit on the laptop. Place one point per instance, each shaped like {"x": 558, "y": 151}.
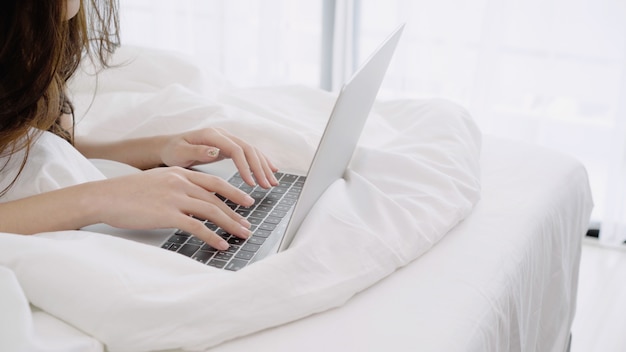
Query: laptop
{"x": 278, "y": 212}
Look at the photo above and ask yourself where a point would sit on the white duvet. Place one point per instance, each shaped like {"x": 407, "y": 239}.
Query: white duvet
{"x": 414, "y": 177}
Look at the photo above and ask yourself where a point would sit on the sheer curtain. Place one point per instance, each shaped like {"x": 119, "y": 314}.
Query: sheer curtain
{"x": 248, "y": 41}
{"x": 551, "y": 72}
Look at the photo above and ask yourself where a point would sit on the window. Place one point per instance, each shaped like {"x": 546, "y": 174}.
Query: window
{"x": 551, "y": 72}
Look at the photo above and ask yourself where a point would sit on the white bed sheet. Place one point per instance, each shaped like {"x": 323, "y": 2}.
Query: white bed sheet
{"x": 133, "y": 297}
{"x": 505, "y": 279}
{"x": 131, "y": 307}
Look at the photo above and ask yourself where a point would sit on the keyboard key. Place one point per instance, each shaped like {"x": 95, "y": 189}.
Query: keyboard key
{"x": 188, "y": 249}
{"x": 202, "y": 256}
{"x": 260, "y": 190}
{"x": 265, "y": 208}
{"x": 249, "y": 247}
{"x": 244, "y": 255}
{"x": 211, "y": 226}
{"x": 289, "y": 202}
{"x": 258, "y": 214}
{"x": 254, "y": 221}
{"x": 273, "y": 196}
{"x": 232, "y": 249}
{"x": 262, "y": 233}
{"x": 183, "y": 233}
{"x": 256, "y": 240}
{"x": 279, "y": 189}
{"x": 291, "y": 195}
{"x": 266, "y": 226}
{"x": 289, "y": 179}
{"x": 196, "y": 241}
{"x": 236, "y": 264}
{"x": 223, "y": 256}
{"x": 235, "y": 181}
{"x": 205, "y": 247}
{"x": 236, "y": 240}
{"x": 257, "y": 196}
{"x": 272, "y": 220}
{"x": 243, "y": 212}
{"x": 177, "y": 239}
{"x": 223, "y": 234}
{"x": 246, "y": 188}
{"x": 217, "y": 263}
{"x": 283, "y": 207}
{"x": 269, "y": 202}
{"x": 278, "y": 213}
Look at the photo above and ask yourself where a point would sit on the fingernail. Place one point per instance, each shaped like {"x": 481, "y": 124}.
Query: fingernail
{"x": 213, "y": 152}
{"x": 249, "y": 199}
{"x": 222, "y": 245}
{"x": 244, "y": 232}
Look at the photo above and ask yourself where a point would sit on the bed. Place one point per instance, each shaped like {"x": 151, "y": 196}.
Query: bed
{"x": 474, "y": 244}
{"x": 504, "y": 279}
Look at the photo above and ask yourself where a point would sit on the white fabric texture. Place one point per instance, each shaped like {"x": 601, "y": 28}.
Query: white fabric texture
{"x": 414, "y": 177}
{"x": 504, "y": 279}
{"x": 52, "y": 163}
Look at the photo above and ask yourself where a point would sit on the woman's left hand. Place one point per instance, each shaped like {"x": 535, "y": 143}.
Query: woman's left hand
{"x": 213, "y": 144}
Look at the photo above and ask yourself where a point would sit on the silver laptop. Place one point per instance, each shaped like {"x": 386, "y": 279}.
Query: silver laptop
{"x": 278, "y": 212}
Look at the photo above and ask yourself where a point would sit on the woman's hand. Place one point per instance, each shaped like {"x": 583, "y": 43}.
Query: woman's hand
{"x": 169, "y": 197}
{"x": 213, "y": 144}
{"x": 186, "y": 149}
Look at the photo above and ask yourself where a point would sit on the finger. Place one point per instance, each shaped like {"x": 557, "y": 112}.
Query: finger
{"x": 229, "y": 147}
{"x": 209, "y": 197}
{"x": 246, "y": 170}
{"x": 249, "y": 161}
{"x": 197, "y": 228}
{"x": 268, "y": 168}
{"x": 257, "y": 166}
{"x": 193, "y": 154}
{"x": 216, "y": 215}
{"x": 211, "y": 183}
{"x": 271, "y": 165}
{"x": 204, "y": 153}
{"x": 252, "y": 158}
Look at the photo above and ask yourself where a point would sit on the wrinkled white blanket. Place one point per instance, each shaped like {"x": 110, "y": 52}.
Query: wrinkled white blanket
{"x": 414, "y": 177}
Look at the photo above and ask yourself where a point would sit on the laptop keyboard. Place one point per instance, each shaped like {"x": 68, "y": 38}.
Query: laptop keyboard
{"x": 270, "y": 207}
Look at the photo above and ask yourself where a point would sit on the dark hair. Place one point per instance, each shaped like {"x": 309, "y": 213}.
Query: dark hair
{"x": 39, "y": 51}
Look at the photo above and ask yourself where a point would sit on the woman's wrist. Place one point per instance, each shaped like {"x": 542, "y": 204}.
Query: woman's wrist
{"x": 68, "y": 208}
{"x": 148, "y": 151}
{"x": 143, "y": 153}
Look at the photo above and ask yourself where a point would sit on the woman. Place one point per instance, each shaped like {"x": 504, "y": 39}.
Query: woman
{"x": 41, "y": 45}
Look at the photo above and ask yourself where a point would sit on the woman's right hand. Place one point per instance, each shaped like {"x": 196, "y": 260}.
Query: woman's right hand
{"x": 166, "y": 198}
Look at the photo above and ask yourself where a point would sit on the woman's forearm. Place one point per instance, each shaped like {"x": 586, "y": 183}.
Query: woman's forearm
{"x": 66, "y": 209}
{"x": 142, "y": 153}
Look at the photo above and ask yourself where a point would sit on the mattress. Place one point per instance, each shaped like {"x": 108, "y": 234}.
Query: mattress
{"x": 505, "y": 279}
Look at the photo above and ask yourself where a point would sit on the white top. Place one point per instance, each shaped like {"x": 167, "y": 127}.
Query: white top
{"x": 52, "y": 163}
